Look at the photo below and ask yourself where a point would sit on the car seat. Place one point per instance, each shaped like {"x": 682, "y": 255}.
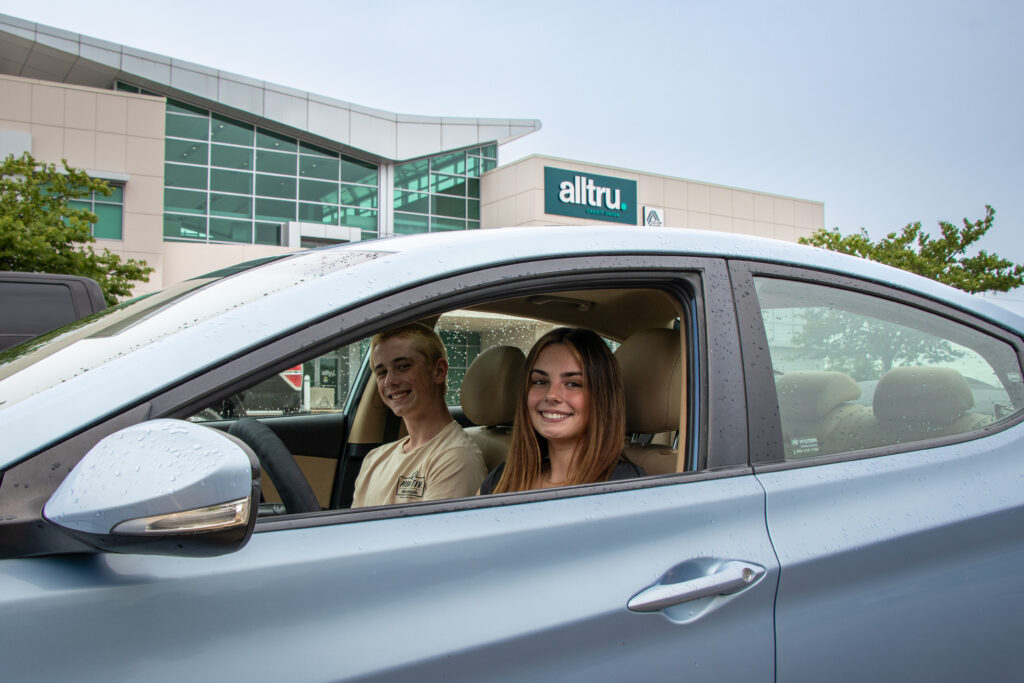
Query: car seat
{"x": 652, "y": 374}
{"x": 489, "y": 393}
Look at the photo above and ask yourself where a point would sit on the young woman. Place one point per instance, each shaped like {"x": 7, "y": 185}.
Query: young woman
{"x": 571, "y": 419}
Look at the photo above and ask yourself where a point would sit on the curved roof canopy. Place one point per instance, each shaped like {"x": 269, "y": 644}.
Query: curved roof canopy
{"x": 33, "y": 50}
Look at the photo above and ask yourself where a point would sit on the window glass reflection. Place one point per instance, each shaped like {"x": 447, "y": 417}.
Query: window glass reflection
{"x": 186, "y": 151}
{"x": 231, "y": 132}
{"x": 319, "y": 167}
{"x": 327, "y": 214}
{"x": 275, "y": 162}
{"x": 231, "y": 157}
{"x": 358, "y": 218}
{"x": 448, "y": 206}
{"x": 275, "y": 186}
{"x": 230, "y": 231}
{"x": 359, "y": 195}
{"x": 316, "y": 191}
{"x": 184, "y": 201}
{"x": 268, "y": 233}
{"x": 446, "y": 187}
{"x": 274, "y": 210}
{"x": 192, "y": 127}
{"x": 231, "y": 181}
{"x": 184, "y": 227}
{"x": 238, "y": 206}
{"x": 355, "y": 171}
{"x": 204, "y": 150}
{"x": 178, "y": 175}
{"x": 269, "y": 140}
{"x": 411, "y": 224}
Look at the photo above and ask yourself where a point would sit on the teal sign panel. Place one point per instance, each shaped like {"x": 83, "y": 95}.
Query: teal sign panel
{"x": 588, "y": 195}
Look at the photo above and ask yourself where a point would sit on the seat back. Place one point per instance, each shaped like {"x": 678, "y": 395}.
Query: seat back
{"x": 652, "y": 374}
{"x": 816, "y": 412}
{"x": 489, "y": 394}
{"x": 918, "y": 402}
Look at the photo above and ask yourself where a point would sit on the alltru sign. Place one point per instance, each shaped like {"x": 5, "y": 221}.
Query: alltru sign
{"x": 587, "y": 195}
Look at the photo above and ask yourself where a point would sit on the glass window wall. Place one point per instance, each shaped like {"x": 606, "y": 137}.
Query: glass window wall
{"x": 230, "y": 181}
{"x": 442, "y": 192}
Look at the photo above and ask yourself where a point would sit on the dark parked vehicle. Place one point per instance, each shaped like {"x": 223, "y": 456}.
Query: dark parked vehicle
{"x": 32, "y": 304}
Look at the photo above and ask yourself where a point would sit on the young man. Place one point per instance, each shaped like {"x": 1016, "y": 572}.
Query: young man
{"x": 437, "y": 460}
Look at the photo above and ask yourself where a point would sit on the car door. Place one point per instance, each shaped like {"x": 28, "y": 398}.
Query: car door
{"x": 896, "y": 517}
{"x": 510, "y": 587}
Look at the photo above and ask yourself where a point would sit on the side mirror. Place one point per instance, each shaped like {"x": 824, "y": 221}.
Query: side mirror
{"x": 163, "y": 487}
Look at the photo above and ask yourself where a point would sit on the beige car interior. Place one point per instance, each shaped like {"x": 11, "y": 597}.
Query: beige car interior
{"x": 911, "y": 403}
{"x": 489, "y": 394}
{"x": 650, "y": 355}
{"x": 654, "y": 374}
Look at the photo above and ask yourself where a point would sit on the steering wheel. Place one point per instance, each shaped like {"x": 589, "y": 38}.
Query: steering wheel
{"x": 278, "y": 463}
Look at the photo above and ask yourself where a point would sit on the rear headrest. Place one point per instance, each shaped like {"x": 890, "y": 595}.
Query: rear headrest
{"x": 922, "y": 394}
{"x": 652, "y": 372}
{"x": 809, "y": 395}
{"x": 492, "y": 384}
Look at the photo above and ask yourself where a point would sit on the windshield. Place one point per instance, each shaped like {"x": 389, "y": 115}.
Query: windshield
{"x": 98, "y": 339}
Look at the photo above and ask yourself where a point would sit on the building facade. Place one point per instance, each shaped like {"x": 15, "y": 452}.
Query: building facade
{"x": 211, "y": 168}
{"x": 542, "y": 190}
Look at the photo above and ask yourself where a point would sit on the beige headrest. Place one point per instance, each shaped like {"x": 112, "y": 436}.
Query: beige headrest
{"x": 808, "y": 395}
{"x": 922, "y": 394}
{"x": 492, "y": 384}
{"x": 652, "y": 372}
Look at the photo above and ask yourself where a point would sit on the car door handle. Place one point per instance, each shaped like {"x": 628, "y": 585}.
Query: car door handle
{"x": 730, "y": 577}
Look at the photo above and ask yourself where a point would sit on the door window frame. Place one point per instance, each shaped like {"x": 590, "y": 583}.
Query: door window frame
{"x": 713, "y": 310}
{"x": 716, "y": 400}
{"x": 766, "y": 440}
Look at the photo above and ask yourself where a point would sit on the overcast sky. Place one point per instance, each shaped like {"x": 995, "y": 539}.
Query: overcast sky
{"x": 888, "y": 112}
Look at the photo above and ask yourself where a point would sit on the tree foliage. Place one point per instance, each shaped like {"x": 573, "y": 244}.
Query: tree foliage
{"x": 866, "y": 348}
{"x": 940, "y": 258}
{"x": 42, "y": 232}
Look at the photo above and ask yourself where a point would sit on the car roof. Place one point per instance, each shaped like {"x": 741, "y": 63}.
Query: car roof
{"x": 530, "y": 242}
{"x": 254, "y": 304}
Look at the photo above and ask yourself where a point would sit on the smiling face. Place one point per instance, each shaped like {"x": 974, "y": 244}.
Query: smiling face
{"x": 557, "y": 396}
{"x": 407, "y": 382}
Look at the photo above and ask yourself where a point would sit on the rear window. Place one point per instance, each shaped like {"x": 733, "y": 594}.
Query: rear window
{"x": 35, "y": 307}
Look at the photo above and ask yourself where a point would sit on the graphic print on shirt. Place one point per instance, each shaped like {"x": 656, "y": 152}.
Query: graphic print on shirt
{"x": 413, "y": 486}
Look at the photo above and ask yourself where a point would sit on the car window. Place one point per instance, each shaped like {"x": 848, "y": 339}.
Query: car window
{"x": 466, "y": 333}
{"x": 853, "y": 371}
{"x": 296, "y": 401}
{"x": 319, "y": 385}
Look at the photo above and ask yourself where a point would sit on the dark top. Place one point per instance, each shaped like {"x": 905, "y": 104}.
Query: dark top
{"x": 624, "y": 470}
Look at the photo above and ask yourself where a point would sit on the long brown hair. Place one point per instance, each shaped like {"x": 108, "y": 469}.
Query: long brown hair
{"x": 600, "y": 446}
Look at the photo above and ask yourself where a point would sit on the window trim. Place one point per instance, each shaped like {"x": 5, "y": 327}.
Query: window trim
{"x": 722, "y": 422}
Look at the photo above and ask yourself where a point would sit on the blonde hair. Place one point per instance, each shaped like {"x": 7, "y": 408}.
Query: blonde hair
{"x": 600, "y": 446}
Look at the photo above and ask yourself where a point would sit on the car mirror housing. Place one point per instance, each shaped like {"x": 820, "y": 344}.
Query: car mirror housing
{"x": 162, "y": 487}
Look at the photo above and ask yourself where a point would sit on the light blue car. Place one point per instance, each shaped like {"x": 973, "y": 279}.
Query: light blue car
{"x": 833, "y": 450}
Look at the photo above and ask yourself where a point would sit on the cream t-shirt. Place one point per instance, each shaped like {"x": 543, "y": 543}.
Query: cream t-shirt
{"x": 448, "y": 466}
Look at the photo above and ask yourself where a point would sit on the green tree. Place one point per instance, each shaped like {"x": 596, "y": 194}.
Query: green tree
{"x": 867, "y": 348}
{"x": 940, "y": 258}
{"x": 42, "y": 232}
